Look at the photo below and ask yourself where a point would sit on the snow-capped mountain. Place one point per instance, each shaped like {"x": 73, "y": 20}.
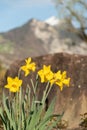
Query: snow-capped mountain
{"x": 36, "y": 38}
{"x": 52, "y": 21}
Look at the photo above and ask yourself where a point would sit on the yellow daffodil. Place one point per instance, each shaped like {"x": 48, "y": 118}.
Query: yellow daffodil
{"x": 60, "y": 79}
{"x": 29, "y": 66}
{"x": 13, "y": 84}
{"x": 45, "y": 74}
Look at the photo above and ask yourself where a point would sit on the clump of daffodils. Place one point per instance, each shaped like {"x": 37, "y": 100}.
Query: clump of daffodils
{"x": 58, "y": 78}
{"x": 24, "y": 112}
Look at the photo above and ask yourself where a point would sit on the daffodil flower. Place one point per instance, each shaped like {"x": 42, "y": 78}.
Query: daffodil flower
{"x": 29, "y": 66}
{"x": 45, "y": 74}
{"x": 60, "y": 79}
{"x": 13, "y": 84}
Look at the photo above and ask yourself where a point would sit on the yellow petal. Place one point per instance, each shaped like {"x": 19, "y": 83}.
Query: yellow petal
{"x": 67, "y": 81}
{"x": 64, "y": 75}
{"x": 60, "y": 84}
{"x": 27, "y": 72}
{"x": 9, "y": 80}
{"x": 7, "y": 86}
{"x": 28, "y": 60}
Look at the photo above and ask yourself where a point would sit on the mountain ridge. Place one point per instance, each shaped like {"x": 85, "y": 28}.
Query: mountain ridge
{"x": 36, "y": 38}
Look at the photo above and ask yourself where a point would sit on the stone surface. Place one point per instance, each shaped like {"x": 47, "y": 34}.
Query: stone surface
{"x": 72, "y": 100}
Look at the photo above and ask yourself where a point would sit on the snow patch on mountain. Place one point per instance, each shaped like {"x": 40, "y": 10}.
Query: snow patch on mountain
{"x": 52, "y": 21}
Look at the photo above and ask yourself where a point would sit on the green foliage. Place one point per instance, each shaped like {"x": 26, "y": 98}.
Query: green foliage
{"x": 6, "y": 47}
{"x": 26, "y": 112}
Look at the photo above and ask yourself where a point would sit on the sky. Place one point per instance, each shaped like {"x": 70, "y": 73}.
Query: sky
{"x": 15, "y": 13}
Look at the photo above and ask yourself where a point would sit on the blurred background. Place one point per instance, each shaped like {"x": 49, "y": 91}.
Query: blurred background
{"x": 38, "y": 27}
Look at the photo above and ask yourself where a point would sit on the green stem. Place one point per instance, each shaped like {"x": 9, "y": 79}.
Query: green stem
{"x": 45, "y": 93}
{"x": 50, "y": 87}
{"x": 20, "y": 111}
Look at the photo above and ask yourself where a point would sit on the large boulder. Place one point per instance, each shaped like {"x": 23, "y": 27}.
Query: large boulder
{"x": 72, "y": 100}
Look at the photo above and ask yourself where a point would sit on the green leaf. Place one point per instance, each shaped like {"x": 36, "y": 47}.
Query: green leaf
{"x": 35, "y": 118}
{"x": 48, "y": 113}
{"x": 2, "y": 116}
{"x": 12, "y": 123}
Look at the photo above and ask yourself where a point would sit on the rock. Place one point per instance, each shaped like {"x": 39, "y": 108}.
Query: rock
{"x": 72, "y": 100}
